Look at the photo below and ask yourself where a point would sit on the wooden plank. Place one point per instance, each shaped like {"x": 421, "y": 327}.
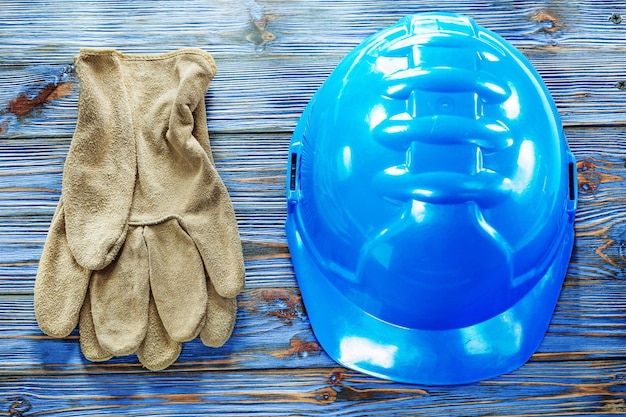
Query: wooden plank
{"x": 253, "y": 168}
{"x": 576, "y": 49}
{"x": 49, "y": 32}
{"x": 549, "y": 389}
{"x": 268, "y": 95}
{"x": 273, "y": 332}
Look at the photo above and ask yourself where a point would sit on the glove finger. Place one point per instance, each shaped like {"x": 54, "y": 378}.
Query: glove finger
{"x": 219, "y": 243}
{"x": 220, "y": 319}
{"x": 158, "y": 350}
{"x": 61, "y": 283}
{"x": 218, "y": 240}
{"x": 177, "y": 279}
{"x": 100, "y": 168}
{"x": 88, "y": 340}
{"x": 120, "y": 296}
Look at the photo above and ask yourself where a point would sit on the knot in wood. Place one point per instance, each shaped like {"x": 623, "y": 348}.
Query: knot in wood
{"x": 616, "y": 18}
{"x": 326, "y": 395}
{"x": 19, "y": 406}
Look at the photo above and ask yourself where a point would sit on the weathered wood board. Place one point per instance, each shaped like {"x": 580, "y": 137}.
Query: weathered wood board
{"x": 271, "y": 56}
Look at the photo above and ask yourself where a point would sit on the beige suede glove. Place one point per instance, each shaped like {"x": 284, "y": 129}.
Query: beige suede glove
{"x": 143, "y": 246}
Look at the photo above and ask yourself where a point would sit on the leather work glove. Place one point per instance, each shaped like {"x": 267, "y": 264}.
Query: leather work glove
{"x": 143, "y": 248}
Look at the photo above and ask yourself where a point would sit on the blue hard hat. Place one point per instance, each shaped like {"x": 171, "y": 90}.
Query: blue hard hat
{"x": 431, "y": 199}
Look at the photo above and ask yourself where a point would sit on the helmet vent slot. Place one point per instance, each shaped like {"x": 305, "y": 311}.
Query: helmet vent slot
{"x": 572, "y": 190}
{"x": 292, "y": 171}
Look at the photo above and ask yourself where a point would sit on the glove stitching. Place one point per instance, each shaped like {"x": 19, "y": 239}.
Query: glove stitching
{"x": 159, "y": 221}
{"x": 151, "y": 57}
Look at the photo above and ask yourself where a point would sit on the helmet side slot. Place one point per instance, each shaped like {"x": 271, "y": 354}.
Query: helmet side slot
{"x": 292, "y": 171}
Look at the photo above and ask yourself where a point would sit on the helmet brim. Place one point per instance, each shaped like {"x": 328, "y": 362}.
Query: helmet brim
{"x": 359, "y": 341}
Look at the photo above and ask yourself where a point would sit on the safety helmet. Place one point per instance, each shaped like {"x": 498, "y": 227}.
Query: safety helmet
{"x": 431, "y": 199}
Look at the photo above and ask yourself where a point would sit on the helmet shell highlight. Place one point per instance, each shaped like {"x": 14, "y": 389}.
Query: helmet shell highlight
{"x": 431, "y": 198}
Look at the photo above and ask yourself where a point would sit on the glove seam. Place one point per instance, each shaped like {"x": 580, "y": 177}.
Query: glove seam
{"x": 150, "y": 57}
{"x": 158, "y": 221}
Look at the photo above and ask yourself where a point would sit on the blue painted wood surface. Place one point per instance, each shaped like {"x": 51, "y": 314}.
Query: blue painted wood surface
{"x": 271, "y": 56}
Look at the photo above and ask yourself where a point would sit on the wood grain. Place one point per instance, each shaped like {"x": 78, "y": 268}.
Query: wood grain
{"x": 274, "y": 96}
{"x": 272, "y": 56}
{"x": 577, "y": 50}
{"x": 580, "y": 388}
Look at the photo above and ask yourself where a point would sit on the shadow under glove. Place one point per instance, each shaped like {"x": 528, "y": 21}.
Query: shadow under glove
{"x": 143, "y": 246}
